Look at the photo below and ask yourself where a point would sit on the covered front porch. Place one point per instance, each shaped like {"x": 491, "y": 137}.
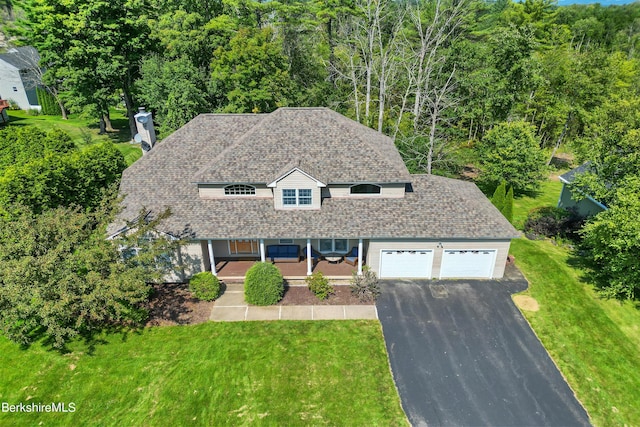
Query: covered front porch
{"x": 296, "y": 259}
{"x": 236, "y": 269}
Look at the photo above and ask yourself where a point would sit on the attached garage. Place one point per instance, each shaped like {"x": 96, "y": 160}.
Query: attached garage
{"x": 414, "y": 263}
{"x": 468, "y": 263}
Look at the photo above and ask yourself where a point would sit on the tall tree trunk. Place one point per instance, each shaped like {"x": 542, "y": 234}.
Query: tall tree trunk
{"x": 560, "y": 138}
{"x": 354, "y": 80}
{"x": 128, "y": 102}
{"x": 63, "y": 110}
{"x": 332, "y": 52}
{"x": 107, "y": 122}
{"x": 432, "y": 137}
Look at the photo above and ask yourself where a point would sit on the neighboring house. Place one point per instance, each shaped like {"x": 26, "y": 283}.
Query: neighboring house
{"x": 18, "y": 80}
{"x": 254, "y": 186}
{"x": 573, "y": 199}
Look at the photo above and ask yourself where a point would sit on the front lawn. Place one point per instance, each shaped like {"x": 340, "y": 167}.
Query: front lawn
{"x": 594, "y": 342}
{"x": 246, "y": 373}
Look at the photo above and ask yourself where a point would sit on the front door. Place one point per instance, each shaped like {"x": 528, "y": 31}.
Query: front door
{"x": 243, "y": 247}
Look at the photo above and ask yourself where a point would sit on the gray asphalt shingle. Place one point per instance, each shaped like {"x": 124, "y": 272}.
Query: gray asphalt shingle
{"x": 235, "y": 149}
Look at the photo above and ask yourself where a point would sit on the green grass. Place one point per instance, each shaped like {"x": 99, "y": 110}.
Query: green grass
{"x": 595, "y": 342}
{"x": 82, "y": 130}
{"x": 246, "y": 373}
{"x": 548, "y": 195}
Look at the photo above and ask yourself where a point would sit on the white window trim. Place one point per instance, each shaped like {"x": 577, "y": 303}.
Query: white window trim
{"x": 246, "y": 186}
{"x": 297, "y": 196}
{"x": 333, "y": 246}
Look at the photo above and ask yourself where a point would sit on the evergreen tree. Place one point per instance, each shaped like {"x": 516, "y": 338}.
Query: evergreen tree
{"x": 499, "y": 196}
{"x": 508, "y": 205}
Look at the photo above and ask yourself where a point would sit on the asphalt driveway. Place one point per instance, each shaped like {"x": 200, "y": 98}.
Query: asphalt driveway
{"x": 462, "y": 355}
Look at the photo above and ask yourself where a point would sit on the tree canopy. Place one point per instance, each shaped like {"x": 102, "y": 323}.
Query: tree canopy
{"x": 613, "y": 241}
{"x": 509, "y": 152}
{"x": 60, "y": 278}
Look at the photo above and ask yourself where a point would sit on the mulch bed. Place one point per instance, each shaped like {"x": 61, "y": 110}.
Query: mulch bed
{"x": 172, "y": 304}
{"x": 301, "y": 295}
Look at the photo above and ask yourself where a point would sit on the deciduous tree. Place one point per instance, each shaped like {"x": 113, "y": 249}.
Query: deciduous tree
{"x": 60, "y": 278}
{"x": 613, "y": 240}
{"x": 250, "y": 74}
{"x": 510, "y": 152}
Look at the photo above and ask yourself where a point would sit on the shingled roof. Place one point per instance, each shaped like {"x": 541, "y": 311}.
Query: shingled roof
{"x": 217, "y": 148}
{"x": 569, "y": 177}
{"x": 22, "y": 58}
{"x": 337, "y": 149}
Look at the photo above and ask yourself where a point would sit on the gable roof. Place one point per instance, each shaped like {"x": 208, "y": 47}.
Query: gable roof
{"x": 570, "y": 177}
{"x": 289, "y": 172}
{"x": 20, "y": 57}
{"x": 323, "y": 143}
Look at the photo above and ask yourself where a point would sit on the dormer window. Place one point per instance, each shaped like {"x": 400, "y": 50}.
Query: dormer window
{"x": 239, "y": 190}
{"x": 365, "y": 189}
{"x": 296, "y": 197}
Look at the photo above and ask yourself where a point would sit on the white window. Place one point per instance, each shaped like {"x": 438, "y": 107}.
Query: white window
{"x": 294, "y": 197}
{"x": 239, "y": 190}
{"x": 304, "y": 197}
{"x": 333, "y": 245}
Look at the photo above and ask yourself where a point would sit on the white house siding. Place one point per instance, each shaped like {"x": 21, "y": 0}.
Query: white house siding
{"x": 217, "y": 192}
{"x": 376, "y": 245}
{"x": 392, "y": 190}
{"x": 10, "y": 79}
{"x": 297, "y": 180}
{"x": 189, "y": 261}
{"x": 386, "y": 191}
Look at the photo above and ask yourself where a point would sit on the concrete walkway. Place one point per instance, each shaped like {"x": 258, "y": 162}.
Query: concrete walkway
{"x": 231, "y": 307}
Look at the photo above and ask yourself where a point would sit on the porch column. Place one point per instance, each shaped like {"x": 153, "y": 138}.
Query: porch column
{"x": 359, "y": 257}
{"x": 309, "y": 259}
{"x": 212, "y": 260}
{"x": 262, "y": 256}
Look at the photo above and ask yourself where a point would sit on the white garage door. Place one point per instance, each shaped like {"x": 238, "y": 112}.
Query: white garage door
{"x": 413, "y": 263}
{"x": 468, "y": 263}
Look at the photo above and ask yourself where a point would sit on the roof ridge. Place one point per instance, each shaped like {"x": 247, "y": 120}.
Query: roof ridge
{"x": 232, "y": 145}
{"x": 344, "y": 124}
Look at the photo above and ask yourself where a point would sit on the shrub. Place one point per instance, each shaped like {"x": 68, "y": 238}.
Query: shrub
{"x": 13, "y": 105}
{"x": 205, "y": 286}
{"x": 263, "y": 284}
{"x": 549, "y": 221}
{"x": 319, "y": 285}
{"x": 47, "y": 101}
{"x": 365, "y": 287}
